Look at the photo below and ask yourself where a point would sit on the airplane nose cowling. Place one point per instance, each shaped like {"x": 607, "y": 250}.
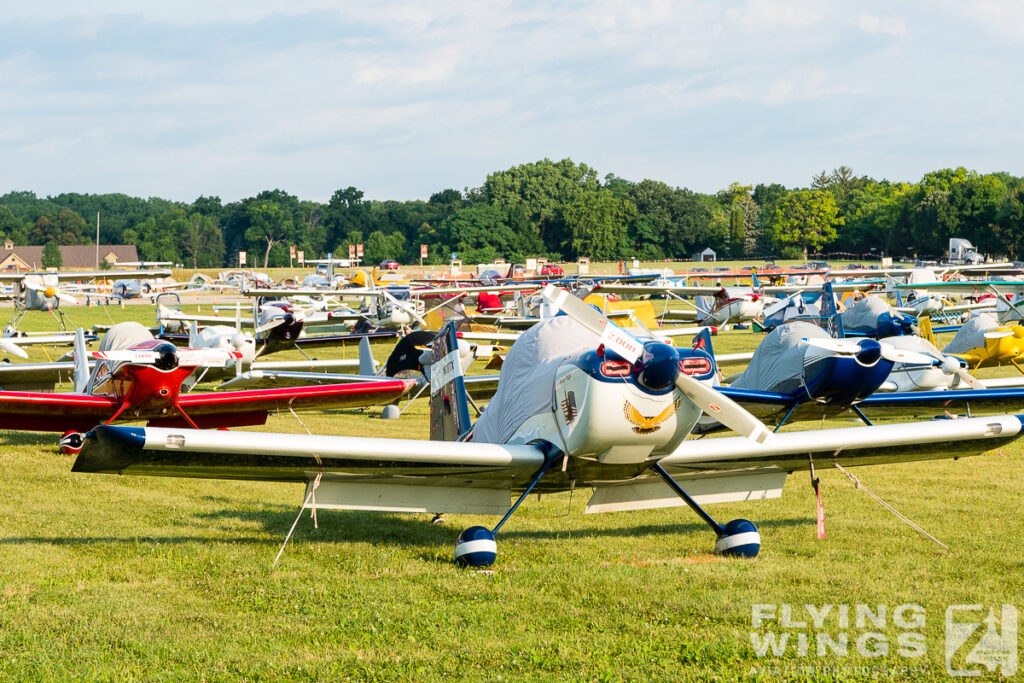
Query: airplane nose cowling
{"x": 657, "y": 368}
{"x": 870, "y": 352}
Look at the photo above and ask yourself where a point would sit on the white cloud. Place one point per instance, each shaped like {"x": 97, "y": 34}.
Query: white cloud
{"x": 897, "y": 28}
{"x": 401, "y": 98}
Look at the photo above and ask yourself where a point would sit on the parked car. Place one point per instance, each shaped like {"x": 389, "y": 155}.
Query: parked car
{"x": 552, "y": 270}
{"x": 388, "y": 264}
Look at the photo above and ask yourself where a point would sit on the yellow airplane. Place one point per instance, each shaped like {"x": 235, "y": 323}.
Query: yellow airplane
{"x": 379, "y": 279}
{"x": 1003, "y": 345}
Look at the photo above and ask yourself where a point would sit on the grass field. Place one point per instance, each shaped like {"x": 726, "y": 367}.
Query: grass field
{"x": 134, "y": 578}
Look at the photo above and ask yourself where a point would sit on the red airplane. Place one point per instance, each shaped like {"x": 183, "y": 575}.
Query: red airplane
{"x": 143, "y": 382}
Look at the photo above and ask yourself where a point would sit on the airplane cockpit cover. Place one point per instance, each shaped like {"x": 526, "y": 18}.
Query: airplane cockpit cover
{"x": 526, "y": 385}
{"x": 778, "y": 362}
{"x": 124, "y": 335}
{"x": 971, "y": 334}
{"x": 864, "y": 314}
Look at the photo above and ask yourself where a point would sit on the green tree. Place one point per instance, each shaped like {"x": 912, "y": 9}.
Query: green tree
{"x": 1010, "y": 225}
{"x": 346, "y": 212}
{"x": 479, "y": 233}
{"x": 803, "y": 220}
{"x": 380, "y": 246}
{"x": 544, "y": 189}
{"x": 9, "y": 223}
{"x": 62, "y": 227}
{"x": 737, "y": 232}
{"x": 269, "y": 224}
{"x": 202, "y": 241}
{"x": 597, "y": 222}
{"x": 52, "y": 257}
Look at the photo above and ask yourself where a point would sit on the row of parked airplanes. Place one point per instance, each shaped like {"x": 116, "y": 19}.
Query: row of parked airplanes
{"x": 591, "y": 393}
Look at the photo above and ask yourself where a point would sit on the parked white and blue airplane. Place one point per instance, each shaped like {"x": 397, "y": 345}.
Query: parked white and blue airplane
{"x": 581, "y": 403}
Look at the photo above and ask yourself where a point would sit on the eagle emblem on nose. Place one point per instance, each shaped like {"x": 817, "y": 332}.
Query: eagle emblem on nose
{"x": 648, "y": 425}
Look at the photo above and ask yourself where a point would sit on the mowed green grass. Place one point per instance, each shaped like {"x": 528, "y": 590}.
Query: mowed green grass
{"x": 134, "y": 578}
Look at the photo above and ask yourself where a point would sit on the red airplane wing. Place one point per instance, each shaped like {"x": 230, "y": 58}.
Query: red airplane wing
{"x": 35, "y": 411}
{"x": 239, "y": 408}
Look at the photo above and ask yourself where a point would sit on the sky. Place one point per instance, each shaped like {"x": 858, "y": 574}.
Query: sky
{"x": 403, "y": 99}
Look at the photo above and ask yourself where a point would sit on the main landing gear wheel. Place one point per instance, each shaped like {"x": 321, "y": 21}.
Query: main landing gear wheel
{"x": 476, "y": 547}
{"x": 739, "y": 538}
{"x": 71, "y": 443}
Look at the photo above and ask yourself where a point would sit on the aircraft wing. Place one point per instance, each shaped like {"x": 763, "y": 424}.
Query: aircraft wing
{"x": 836, "y": 287}
{"x": 909, "y": 404}
{"x": 284, "y": 378}
{"x": 393, "y": 470}
{"x": 445, "y": 476}
{"x": 325, "y": 340}
{"x": 244, "y": 321}
{"x": 36, "y": 376}
{"x": 53, "y": 412}
{"x": 509, "y": 287}
{"x": 227, "y": 408}
{"x": 57, "y": 338}
{"x": 648, "y": 290}
{"x": 975, "y": 287}
{"x": 849, "y": 446}
{"x": 479, "y": 387}
{"x": 308, "y": 291}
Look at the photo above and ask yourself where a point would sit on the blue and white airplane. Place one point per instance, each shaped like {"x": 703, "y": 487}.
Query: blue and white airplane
{"x": 581, "y": 403}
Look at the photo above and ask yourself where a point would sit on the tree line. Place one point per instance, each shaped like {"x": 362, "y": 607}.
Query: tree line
{"x": 558, "y": 209}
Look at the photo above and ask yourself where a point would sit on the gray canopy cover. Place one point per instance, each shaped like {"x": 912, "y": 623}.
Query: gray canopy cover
{"x": 778, "y": 363}
{"x": 526, "y": 386}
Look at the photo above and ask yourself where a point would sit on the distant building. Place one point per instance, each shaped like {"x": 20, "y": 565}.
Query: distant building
{"x": 707, "y": 255}
{"x": 79, "y": 256}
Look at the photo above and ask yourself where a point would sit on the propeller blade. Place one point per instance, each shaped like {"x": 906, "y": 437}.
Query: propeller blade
{"x": 207, "y": 358}
{"x": 66, "y": 298}
{"x": 127, "y": 356}
{"x": 723, "y": 409}
{"x": 13, "y": 349}
{"x": 612, "y": 336}
{"x": 843, "y": 346}
{"x": 998, "y": 334}
{"x": 275, "y": 322}
{"x": 969, "y": 379}
{"x": 898, "y": 355}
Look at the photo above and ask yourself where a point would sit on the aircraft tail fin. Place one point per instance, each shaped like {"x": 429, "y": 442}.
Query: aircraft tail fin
{"x": 367, "y": 365}
{"x": 924, "y": 326}
{"x": 891, "y": 290}
{"x": 830, "y": 312}
{"x": 753, "y": 278}
{"x": 449, "y": 402}
{"x": 81, "y": 372}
